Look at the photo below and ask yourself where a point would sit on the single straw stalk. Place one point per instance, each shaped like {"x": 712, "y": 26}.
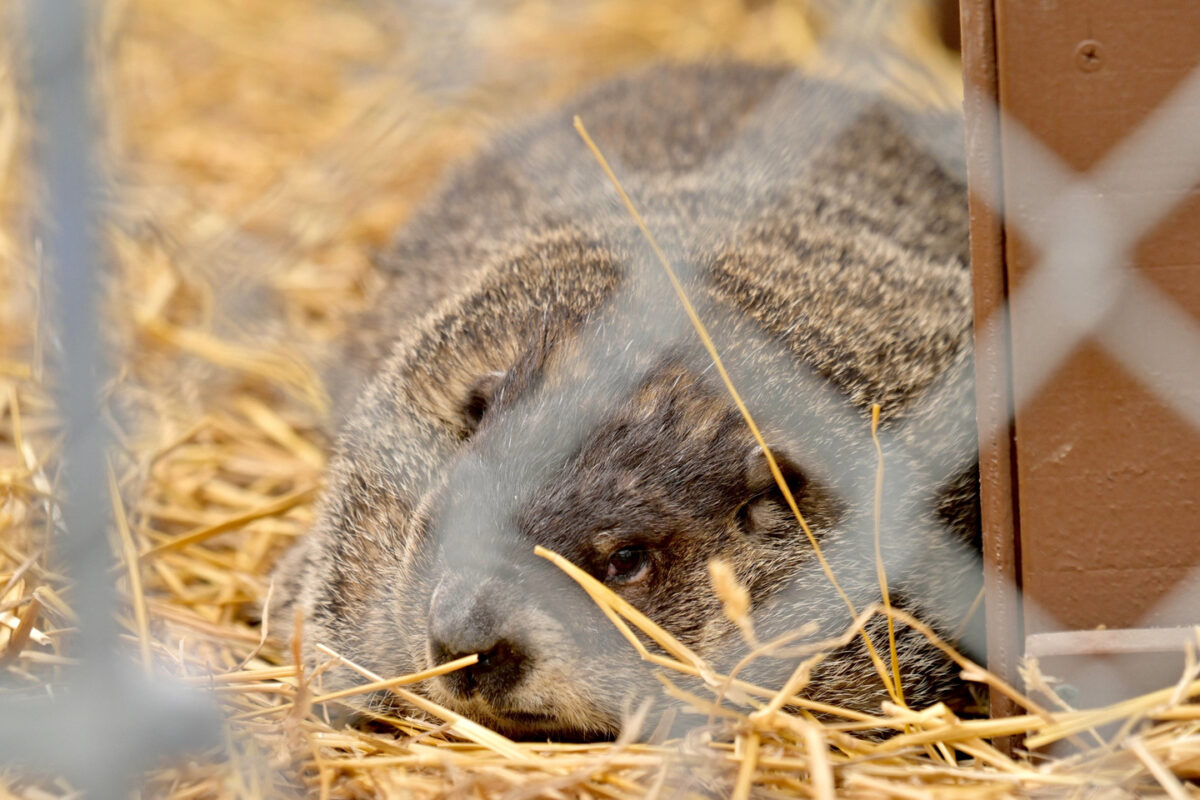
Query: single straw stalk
{"x": 745, "y": 778}
{"x": 617, "y": 609}
{"x": 880, "y": 568}
{"x": 702, "y": 332}
{"x": 274, "y": 508}
{"x": 460, "y": 725}
{"x": 132, "y": 564}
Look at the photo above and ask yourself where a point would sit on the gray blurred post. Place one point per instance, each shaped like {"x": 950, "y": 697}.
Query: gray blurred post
{"x": 111, "y": 721}
{"x": 57, "y": 32}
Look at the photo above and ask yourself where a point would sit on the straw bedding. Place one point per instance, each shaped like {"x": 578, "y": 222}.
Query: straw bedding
{"x": 259, "y": 151}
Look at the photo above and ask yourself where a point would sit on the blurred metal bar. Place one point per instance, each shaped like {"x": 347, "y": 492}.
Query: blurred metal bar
{"x": 57, "y": 30}
{"x": 111, "y": 721}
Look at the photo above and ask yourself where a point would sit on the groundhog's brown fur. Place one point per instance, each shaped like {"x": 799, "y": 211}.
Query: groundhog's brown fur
{"x": 536, "y": 382}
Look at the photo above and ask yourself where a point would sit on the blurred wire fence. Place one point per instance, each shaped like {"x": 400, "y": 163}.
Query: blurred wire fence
{"x": 108, "y": 720}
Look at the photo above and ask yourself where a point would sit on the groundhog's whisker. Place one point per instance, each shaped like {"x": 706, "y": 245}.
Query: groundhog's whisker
{"x": 702, "y": 331}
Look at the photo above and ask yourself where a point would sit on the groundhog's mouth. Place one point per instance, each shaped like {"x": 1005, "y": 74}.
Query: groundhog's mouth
{"x": 545, "y": 727}
{"x": 529, "y": 724}
{"x": 482, "y": 711}
{"x": 527, "y": 717}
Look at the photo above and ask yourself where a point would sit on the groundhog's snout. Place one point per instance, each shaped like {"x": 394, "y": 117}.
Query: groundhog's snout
{"x": 474, "y": 614}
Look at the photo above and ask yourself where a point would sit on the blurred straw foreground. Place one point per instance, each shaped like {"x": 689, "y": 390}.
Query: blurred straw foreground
{"x": 259, "y": 151}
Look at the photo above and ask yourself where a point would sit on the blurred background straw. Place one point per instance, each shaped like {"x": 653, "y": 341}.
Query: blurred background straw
{"x": 257, "y": 153}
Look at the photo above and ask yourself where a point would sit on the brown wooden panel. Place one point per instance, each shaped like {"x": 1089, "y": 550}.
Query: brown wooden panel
{"x": 1167, "y": 256}
{"x": 1107, "y": 476}
{"x": 1081, "y": 105}
{"x": 1110, "y": 498}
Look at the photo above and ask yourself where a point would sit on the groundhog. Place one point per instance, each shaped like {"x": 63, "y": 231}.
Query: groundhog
{"x": 534, "y": 380}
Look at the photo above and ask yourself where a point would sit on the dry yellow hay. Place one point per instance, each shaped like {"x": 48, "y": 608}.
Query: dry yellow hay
{"x": 261, "y": 149}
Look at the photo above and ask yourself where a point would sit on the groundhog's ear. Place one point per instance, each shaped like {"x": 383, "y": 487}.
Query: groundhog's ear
{"x": 479, "y": 399}
{"x": 764, "y": 509}
{"x": 760, "y": 480}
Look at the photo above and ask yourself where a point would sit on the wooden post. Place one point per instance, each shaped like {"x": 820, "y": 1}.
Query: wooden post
{"x": 1091, "y": 490}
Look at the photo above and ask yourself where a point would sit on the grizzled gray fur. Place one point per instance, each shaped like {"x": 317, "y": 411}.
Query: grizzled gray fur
{"x": 533, "y": 380}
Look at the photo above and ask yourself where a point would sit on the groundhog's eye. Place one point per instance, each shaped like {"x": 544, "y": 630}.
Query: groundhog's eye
{"x": 627, "y": 565}
{"x": 479, "y": 399}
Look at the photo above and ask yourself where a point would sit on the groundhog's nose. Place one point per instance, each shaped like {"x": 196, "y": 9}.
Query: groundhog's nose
{"x": 498, "y": 671}
{"x": 462, "y": 623}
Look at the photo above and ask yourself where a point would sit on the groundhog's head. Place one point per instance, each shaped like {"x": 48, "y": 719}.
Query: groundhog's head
{"x": 602, "y": 432}
{"x": 556, "y": 395}
{"x": 642, "y": 494}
